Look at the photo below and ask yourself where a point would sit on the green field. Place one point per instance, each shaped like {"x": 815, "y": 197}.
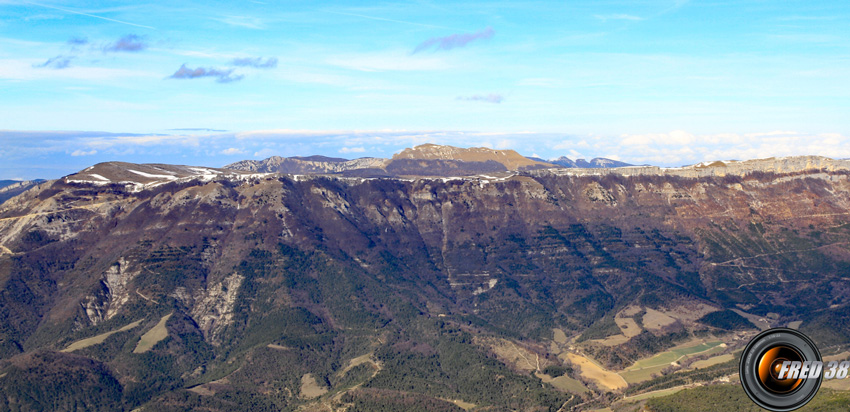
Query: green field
{"x": 644, "y": 369}
{"x": 564, "y": 383}
{"x": 712, "y": 361}
{"x": 730, "y": 397}
{"x": 569, "y": 384}
{"x": 654, "y": 394}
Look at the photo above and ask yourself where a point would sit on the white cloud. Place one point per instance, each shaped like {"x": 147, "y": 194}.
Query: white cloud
{"x": 675, "y": 148}
{"x": 676, "y": 137}
{"x": 267, "y": 152}
{"x": 505, "y": 144}
{"x": 637, "y": 140}
{"x": 232, "y": 151}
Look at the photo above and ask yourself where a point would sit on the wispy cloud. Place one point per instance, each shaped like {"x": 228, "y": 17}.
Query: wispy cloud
{"x": 90, "y": 15}
{"x": 606, "y": 17}
{"x": 256, "y": 62}
{"x": 232, "y": 151}
{"x": 352, "y": 150}
{"x": 388, "y": 20}
{"x": 22, "y": 69}
{"x": 242, "y": 21}
{"x": 78, "y": 41}
{"x": 79, "y": 152}
{"x": 454, "y": 40}
{"x": 221, "y": 76}
{"x": 489, "y": 98}
{"x": 58, "y": 62}
{"x": 197, "y": 129}
{"x": 128, "y": 43}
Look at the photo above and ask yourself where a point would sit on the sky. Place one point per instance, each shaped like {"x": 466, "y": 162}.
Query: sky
{"x": 664, "y": 82}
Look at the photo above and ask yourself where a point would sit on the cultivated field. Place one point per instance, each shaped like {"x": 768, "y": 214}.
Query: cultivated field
{"x": 596, "y": 373}
{"x": 654, "y": 394}
{"x": 644, "y": 369}
{"x": 564, "y": 383}
{"x": 712, "y": 361}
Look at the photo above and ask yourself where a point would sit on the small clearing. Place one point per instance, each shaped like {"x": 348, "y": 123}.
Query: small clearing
{"x": 591, "y": 370}
{"x": 511, "y": 354}
{"x": 560, "y": 336}
{"x": 629, "y": 311}
{"x": 367, "y": 358}
{"x": 462, "y": 404}
{"x": 201, "y": 390}
{"x": 310, "y": 388}
{"x": 759, "y": 321}
{"x": 628, "y": 326}
{"x": 655, "y": 320}
{"x": 612, "y": 340}
{"x": 564, "y": 383}
{"x": 795, "y": 324}
{"x": 95, "y": 340}
{"x": 689, "y": 311}
{"x": 153, "y": 336}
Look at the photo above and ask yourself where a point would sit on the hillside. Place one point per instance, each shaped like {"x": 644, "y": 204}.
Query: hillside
{"x": 189, "y": 287}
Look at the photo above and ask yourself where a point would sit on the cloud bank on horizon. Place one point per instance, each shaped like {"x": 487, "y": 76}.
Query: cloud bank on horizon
{"x": 33, "y": 154}
{"x": 551, "y": 78}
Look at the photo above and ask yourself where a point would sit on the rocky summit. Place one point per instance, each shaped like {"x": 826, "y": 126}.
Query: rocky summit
{"x": 525, "y": 287}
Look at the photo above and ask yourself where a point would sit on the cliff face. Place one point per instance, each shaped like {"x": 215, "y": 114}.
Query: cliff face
{"x": 687, "y": 234}
{"x": 262, "y": 259}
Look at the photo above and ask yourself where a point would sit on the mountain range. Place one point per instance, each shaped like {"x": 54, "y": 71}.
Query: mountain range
{"x": 441, "y": 279}
{"x": 422, "y": 160}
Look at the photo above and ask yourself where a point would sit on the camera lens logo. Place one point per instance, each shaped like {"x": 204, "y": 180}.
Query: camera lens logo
{"x": 781, "y": 369}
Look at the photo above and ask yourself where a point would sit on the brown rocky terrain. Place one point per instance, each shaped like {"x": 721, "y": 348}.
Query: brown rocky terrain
{"x": 271, "y": 277}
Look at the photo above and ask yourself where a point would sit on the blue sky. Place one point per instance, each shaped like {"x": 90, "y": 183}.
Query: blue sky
{"x": 666, "y": 82}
